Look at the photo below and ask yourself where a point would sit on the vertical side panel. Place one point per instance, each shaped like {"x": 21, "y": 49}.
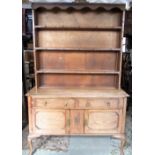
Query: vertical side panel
{"x": 34, "y": 45}
{"x": 30, "y": 113}
{"x": 121, "y": 40}
{"x": 124, "y": 100}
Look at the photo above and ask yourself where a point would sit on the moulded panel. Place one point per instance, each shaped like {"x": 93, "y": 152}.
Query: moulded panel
{"x": 50, "y": 121}
{"x": 100, "y": 121}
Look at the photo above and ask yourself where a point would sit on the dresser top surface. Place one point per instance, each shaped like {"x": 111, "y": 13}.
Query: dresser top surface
{"x": 77, "y": 92}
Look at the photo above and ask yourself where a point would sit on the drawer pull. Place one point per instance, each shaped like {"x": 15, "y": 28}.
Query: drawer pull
{"x": 45, "y": 103}
{"x": 88, "y": 104}
{"x": 108, "y": 104}
{"x": 66, "y": 104}
{"x": 77, "y": 120}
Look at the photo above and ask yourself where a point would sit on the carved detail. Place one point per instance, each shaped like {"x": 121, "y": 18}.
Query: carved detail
{"x": 30, "y": 145}
{"x": 123, "y": 140}
{"x": 77, "y": 120}
{"x": 78, "y": 6}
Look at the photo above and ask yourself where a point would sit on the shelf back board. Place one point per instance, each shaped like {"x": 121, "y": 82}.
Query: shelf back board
{"x": 74, "y": 60}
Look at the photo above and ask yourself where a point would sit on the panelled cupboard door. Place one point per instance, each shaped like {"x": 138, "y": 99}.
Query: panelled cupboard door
{"x": 50, "y": 121}
{"x": 102, "y": 121}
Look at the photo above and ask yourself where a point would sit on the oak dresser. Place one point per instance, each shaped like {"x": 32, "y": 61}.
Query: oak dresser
{"x": 77, "y": 56}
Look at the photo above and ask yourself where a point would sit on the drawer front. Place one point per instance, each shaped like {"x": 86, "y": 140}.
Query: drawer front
{"x": 78, "y": 103}
{"x": 99, "y": 104}
{"x": 54, "y": 103}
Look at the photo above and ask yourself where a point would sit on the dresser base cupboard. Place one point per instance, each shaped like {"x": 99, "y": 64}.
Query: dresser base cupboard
{"x": 71, "y": 111}
{"x": 78, "y": 61}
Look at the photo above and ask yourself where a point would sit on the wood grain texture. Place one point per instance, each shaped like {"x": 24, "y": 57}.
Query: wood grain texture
{"x": 77, "y": 121}
{"x": 54, "y": 103}
{"x": 121, "y": 44}
{"x": 102, "y": 121}
{"x": 99, "y": 103}
{"x": 78, "y": 6}
{"x": 82, "y": 61}
{"x": 51, "y": 121}
{"x": 34, "y": 45}
{"x": 124, "y": 102}
{"x": 80, "y": 19}
{"x": 70, "y": 39}
{"x": 90, "y": 116}
{"x": 77, "y": 56}
{"x": 72, "y": 80}
{"x": 61, "y": 33}
{"x": 30, "y": 114}
{"x": 70, "y": 92}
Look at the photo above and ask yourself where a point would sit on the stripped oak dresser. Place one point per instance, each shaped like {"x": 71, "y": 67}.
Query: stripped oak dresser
{"x": 77, "y": 56}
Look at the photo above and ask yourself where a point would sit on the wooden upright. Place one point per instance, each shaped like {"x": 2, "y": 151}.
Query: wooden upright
{"x": 77, "y": 52}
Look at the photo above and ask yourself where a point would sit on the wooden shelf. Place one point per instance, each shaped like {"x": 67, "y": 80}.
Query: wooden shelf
{"x": 97, "y": 89}
{"x": 77, "y": 49}
{"x": 78, "y": 28}
{"x": 60, "y": 71}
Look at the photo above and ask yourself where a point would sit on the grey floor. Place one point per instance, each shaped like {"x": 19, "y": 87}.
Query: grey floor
{"x": 91, "y": 145}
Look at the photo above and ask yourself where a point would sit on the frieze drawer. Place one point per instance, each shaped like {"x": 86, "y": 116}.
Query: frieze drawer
{"x": 100, "y": 104}
{"x": 54, "y": 103}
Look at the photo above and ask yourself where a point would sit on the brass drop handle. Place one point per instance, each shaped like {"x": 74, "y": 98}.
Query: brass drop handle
{"x": 66, "y": 104}
{"x": 45, "y": 103}
{"x": 108, "y": 104}
{"x": 77, "y": 120}
{"x": 67, "y": 119}
{"x": 88, "y": 104}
